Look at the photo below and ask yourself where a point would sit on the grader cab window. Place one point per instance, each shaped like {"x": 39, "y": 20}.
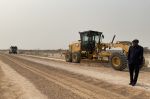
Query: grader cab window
{"x": 89, "y": 39}
{"x": 85, "y": 38}
{"x": 97, "y": 39}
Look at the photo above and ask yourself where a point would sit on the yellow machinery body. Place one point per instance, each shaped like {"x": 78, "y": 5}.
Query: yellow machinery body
{"x": 101, "y": 48}
{"x": 90, "y": 46}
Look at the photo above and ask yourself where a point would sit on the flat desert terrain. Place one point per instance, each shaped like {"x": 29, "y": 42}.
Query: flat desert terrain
{"x": 37, "y": 77}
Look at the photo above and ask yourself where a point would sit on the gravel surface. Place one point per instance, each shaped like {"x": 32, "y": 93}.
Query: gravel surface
{"x": 15, "y": 86}
{"x": 61, "y": 80}
{"x": 97, "y": 70}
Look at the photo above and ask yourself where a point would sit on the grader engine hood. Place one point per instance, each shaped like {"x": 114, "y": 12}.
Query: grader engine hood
{"x": 124, "y": 45}
{"x": 124, "y": 42}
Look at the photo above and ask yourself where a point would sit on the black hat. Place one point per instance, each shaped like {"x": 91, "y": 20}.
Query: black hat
{"x": 135, "y": 41}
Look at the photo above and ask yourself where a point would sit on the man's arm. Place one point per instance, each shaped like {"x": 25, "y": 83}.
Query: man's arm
{"x": 141, "y": 53}
{"x": 129, "y": 52}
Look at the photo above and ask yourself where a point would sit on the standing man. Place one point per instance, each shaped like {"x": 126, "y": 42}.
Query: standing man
{"x": 135, "y": 60}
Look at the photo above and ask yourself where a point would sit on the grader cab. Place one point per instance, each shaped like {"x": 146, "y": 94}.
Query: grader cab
{"x": 90, "y": 46}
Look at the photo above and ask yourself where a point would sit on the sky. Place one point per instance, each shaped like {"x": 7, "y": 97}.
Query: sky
{"x": 53, "y": 24}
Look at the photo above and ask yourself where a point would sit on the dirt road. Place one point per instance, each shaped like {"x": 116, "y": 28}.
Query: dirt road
{"x": 30, "y": 77}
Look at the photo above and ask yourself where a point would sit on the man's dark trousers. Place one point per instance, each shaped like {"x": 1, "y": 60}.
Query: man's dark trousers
{"x": 134, "y": 72}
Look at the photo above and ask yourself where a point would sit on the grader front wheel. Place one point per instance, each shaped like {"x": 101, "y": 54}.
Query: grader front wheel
{"x": 68, "y": 57}
{"x": 76, "y": 57}
{"x": 118, "y": 61}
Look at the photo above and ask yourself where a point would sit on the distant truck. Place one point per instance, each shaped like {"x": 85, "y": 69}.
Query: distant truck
{"x": 13, "y": 50}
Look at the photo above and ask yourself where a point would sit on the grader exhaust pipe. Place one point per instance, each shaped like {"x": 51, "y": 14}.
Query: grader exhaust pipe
{"x": 113, "y": 39}
{"x": 111, "y": 43}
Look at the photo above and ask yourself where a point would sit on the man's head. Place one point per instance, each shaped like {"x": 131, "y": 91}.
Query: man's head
{"x": 135, "y": 42}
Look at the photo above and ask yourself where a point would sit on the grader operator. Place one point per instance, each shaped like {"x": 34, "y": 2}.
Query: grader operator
{"x": 90, "y": 46}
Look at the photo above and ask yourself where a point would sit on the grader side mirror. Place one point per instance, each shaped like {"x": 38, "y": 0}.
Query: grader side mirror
{"x": 103, "y": 36}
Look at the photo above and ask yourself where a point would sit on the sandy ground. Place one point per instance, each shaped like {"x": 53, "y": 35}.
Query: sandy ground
{"x": 147, "y": 57}
{"x": 107, "y": 74}
{"x": 56, "y": 79}
{"x": 14, "y": 86}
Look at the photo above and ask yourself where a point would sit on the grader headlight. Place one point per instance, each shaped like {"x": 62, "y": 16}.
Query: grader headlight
{"x": 77, "y": 45}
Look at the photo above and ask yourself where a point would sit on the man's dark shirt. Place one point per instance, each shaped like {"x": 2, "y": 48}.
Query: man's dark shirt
{"x": 135, "y": 55}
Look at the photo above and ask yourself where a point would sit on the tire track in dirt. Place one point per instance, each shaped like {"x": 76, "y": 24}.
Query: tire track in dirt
{"x": 82, "y": 89}
{"x": 14, "y": 86}
{"x": 120, "y": 90}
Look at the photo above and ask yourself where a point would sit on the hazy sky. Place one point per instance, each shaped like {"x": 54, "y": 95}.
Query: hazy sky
{"x": 52, "y": 24}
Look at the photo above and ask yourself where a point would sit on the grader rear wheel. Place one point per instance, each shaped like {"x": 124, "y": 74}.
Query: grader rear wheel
{"x": 118, "y": 61}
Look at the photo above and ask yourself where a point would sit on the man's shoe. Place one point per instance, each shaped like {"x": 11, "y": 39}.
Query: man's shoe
{"x": 133, "y": 84}
{"x": 130, "y": 83}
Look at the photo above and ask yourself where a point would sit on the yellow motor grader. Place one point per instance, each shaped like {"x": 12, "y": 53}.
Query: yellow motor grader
{"x": 90, "y": 46}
